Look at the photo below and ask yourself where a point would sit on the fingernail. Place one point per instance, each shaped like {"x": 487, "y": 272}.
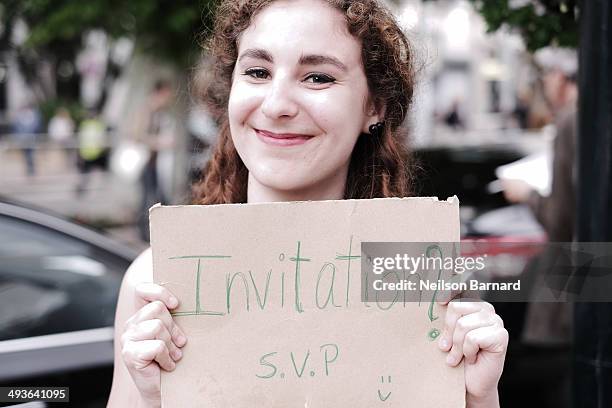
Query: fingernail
{"x": 173, "y": 302}
{"x": 181, "y": 340}
{"x": 443, "y": 343}
{"x": 178, "y": 354}
{"x": 450, "y": 360}
{"x": 172, "y": 366}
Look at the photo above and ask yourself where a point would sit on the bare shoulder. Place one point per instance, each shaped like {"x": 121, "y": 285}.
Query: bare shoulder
{"x": 141, "y": 270}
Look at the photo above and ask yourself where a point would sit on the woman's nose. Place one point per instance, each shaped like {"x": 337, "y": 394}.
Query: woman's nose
{"x": 279, "y": 99}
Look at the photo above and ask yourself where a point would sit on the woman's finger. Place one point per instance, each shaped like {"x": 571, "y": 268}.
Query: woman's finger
{"x": 149, "y": 292}
{"x": 158, "y": 310}
{"x": 465, "y": 325}
{"x": 139, "y": 354}
{"x": 491, "y": 338}
{"x": 455, "y": 310}
{"x": 151, "y": 330}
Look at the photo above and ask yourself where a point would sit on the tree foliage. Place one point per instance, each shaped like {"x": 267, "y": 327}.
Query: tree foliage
{"x": 169, "y": 30}
{"x": 540, "y": 22}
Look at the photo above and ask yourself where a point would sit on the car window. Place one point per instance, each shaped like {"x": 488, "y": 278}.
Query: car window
{"x": 51, "y": 282}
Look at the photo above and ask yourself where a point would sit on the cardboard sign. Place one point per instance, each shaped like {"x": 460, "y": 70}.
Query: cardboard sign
{"x": 271, "y": 304}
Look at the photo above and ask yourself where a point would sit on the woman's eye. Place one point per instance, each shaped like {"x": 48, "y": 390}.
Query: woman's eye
{"x": 319, "y": 79}
{"x": 257, "y": 73}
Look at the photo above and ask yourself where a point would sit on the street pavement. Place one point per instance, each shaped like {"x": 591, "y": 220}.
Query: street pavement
{"x": 106, "y": 201}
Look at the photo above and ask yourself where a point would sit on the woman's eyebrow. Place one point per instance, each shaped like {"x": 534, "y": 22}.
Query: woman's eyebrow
{"x": 322, "y": 59}
{"x": 258, "y": 53}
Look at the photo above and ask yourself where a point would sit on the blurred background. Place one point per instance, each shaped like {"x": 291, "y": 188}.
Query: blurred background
{"x": 85, "y": 87}
{"x": 98, "y": 121}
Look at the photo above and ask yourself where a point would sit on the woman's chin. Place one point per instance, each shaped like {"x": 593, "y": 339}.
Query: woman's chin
{"x": 282, "y": 182}
{"x": 285, "y": 186}
{"x": 297, "y": 183}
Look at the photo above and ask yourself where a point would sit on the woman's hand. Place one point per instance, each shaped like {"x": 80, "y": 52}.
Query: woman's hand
{"x": 475, "y": 333}
{"x": 151, "y": 340}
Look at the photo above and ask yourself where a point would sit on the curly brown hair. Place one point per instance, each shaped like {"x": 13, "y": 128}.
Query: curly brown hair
{"x": 379, "y": 166}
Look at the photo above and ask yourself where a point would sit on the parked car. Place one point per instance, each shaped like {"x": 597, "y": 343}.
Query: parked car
{"x": 59, "y": 283}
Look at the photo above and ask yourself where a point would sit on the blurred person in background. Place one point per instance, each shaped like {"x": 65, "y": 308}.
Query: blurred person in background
{"x": 156, "y": 129}
{"x": 93, "y": 148}
{"x": 548, "y": 326}
{"x": 521, "y": 110}
{"x": 556, "y": 211}
{"x": 61, "y": 131}
{"x": 453, "y": 117}
{"x": 26, "y": 126}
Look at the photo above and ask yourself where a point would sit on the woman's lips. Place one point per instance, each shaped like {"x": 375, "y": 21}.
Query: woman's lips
{"x": 282, "y": 139}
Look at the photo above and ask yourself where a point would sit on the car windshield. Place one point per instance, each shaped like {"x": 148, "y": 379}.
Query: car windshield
{"x": 51, "y": 282}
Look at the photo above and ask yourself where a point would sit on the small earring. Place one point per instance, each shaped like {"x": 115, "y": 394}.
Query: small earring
{"x": 376, "y": 129}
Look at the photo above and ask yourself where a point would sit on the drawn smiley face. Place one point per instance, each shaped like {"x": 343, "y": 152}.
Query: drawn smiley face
{"x": 384, "y": 397}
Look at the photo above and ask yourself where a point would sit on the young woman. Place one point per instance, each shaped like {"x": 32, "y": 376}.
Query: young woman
{"x": 310, "y": 95}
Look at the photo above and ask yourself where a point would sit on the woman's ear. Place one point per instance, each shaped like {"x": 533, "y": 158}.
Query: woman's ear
{"x": 375, "y": 114}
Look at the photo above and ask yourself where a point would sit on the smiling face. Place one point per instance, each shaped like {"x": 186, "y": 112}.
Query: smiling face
{"x": 299, "y": 100}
